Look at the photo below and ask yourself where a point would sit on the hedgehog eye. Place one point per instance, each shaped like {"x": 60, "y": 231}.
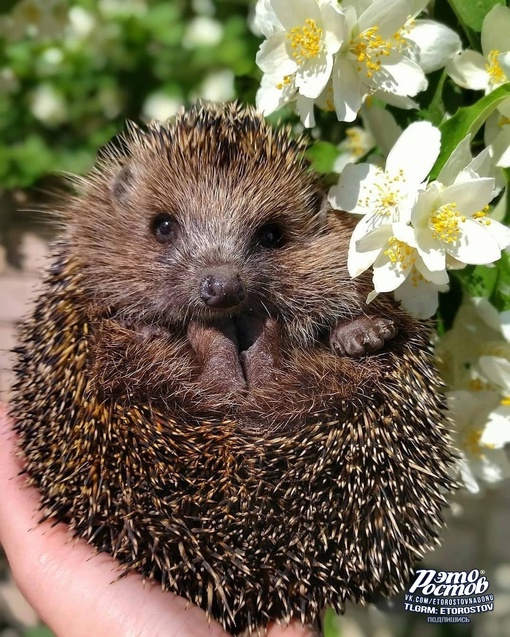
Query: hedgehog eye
{"x": 164, "y": 227}
{"x": 270, "y": 236}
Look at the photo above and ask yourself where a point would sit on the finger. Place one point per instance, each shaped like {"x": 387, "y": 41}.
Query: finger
{"x": 69, "y": 586}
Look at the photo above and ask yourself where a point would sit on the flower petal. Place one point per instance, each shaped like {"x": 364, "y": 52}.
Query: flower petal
{"x": 305, "y": 109}
{"x": 403, "y": 155}
{"x": 388, "y": 276}
{"x": 397, "y": 74}
{"x": 348, "y": 92}
{"x": 334, "y": 23}
{"x": 269, "y": 97}
{"x": 497, "y": 431}
{"x": 362, "y": 255}
{"x": 476, "y": 245}
{"x": 430, "y": 250}
{"x": 295, "y": 14}
{"x": 496, "y": 29}
{"x": 470, "y": 196}
{"x": 457, "y": 161}
{"x": 501, "y": 148}
{"x": 352, "y": 188}
{"x": 399, "y": 101}
{"x": 313, "y": 75}
{"x": 437, "y": 44}
{"x": 468, "y": 69}
{"x": 419, "y": 297}
{"x": 388, "y": 21}
{"x": 497, "y": 371}
{"x": 272, "y": 57}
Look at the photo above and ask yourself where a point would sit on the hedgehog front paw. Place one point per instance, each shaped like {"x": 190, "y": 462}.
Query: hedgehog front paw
{"x": 216, "y": 351}
{"x": 262, "y": 357}
{"x": 362, "y": 335}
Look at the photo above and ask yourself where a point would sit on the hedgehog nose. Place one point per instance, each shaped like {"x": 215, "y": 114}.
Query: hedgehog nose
{"x": 222, "y": 290}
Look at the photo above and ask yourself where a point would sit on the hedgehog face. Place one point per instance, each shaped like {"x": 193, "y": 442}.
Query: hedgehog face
{"x": 202, "y": 235}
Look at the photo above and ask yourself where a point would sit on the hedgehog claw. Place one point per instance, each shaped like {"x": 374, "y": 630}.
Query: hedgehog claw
{"x": 361, "y": 336}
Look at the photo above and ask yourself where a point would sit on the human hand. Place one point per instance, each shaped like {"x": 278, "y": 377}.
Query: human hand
{"x": 72, "y": 588}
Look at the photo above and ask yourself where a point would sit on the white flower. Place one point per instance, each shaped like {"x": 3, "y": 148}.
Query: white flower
{"x": 263, "y": 20}
{"x": 388, "y": 52}
{"x": 497, "y": 432}
{"x": 218, "y": 86}
{"x": 202, "y": 31}
{"x": 81, "y": 22}
{"x": 159, "y": 106}
{"x": 303, "y": 39}
{"x": 497, "y": 135}
{"x": 364, "y": 47}
{"x": 473, "y": 359}
{"x": 37, "y": 18}
{"x": 419, "y": 296}
{"x": 491, "y": 68}
{"x": 479, "y": 460}
{"x": 453, "y": 221}
{"x": 380, "y": 129}
{"x": 388, "y": 195}
{"x": 357, "y": 143}
{"x": 391, "y": 248}
{"x": 48, "y": 104}
{"x": 478, "y": 330}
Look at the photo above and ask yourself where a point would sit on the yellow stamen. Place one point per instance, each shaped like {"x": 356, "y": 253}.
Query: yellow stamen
{"x": 445, "y": 223}
{"x": 369, "y": 48}
{"x": 471, "y": 442}
{"x": 476, "y": 384}
{"x": 506, "y": 401}
{"x": 494, "y": 69}
{"x": 306, "y": 41}
{"x": 354, "y": 143}
{"x": 284, "y": 82}
{"x": 481, "y": 216}
{"x": 400, "y": 252}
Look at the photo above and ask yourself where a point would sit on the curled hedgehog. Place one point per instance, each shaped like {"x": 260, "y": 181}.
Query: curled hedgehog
{"x": 203, "y": 392}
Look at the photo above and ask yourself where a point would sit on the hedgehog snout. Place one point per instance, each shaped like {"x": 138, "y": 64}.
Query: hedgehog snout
{"x": 222, "y": 288}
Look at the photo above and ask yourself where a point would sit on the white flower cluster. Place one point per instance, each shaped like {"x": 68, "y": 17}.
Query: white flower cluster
{"x": 37, "y": 18}
{"x": 485, "y": 72}
{"x": 333, "y": 55}
{"x": 413, "y": 230}
{"x": 474, "y": 360}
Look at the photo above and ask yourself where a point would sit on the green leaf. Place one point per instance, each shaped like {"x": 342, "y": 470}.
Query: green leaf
{"x": 435, "y": 111}
{"x": 467, "y": 119}
{"x": 323, "y": 156}
{"x": 472, "y": 12}
{"x": 501, "y": 296}
{"x": 7, "y": 5}
{"x": 506, "y": 217}
{"x": 479, "y": 280}
{"x": 38, "y": 631}
{"x": 331, "y": 624}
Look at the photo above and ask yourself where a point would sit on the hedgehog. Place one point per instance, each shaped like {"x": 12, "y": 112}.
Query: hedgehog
{"x": 203, "y": 392}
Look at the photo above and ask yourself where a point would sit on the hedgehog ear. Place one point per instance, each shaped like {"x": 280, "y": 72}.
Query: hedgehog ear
{"x": 318, "y": 202}
{"x": 123, "y": 183}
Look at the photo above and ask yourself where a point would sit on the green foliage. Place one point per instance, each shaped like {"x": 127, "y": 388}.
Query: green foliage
{"x": 323, "y": 156}
{"x": 472, "y": 13}
{"x": 467, "y": 120}
{"x": 38, "y": 631}
{"x": 66, "y": 93}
